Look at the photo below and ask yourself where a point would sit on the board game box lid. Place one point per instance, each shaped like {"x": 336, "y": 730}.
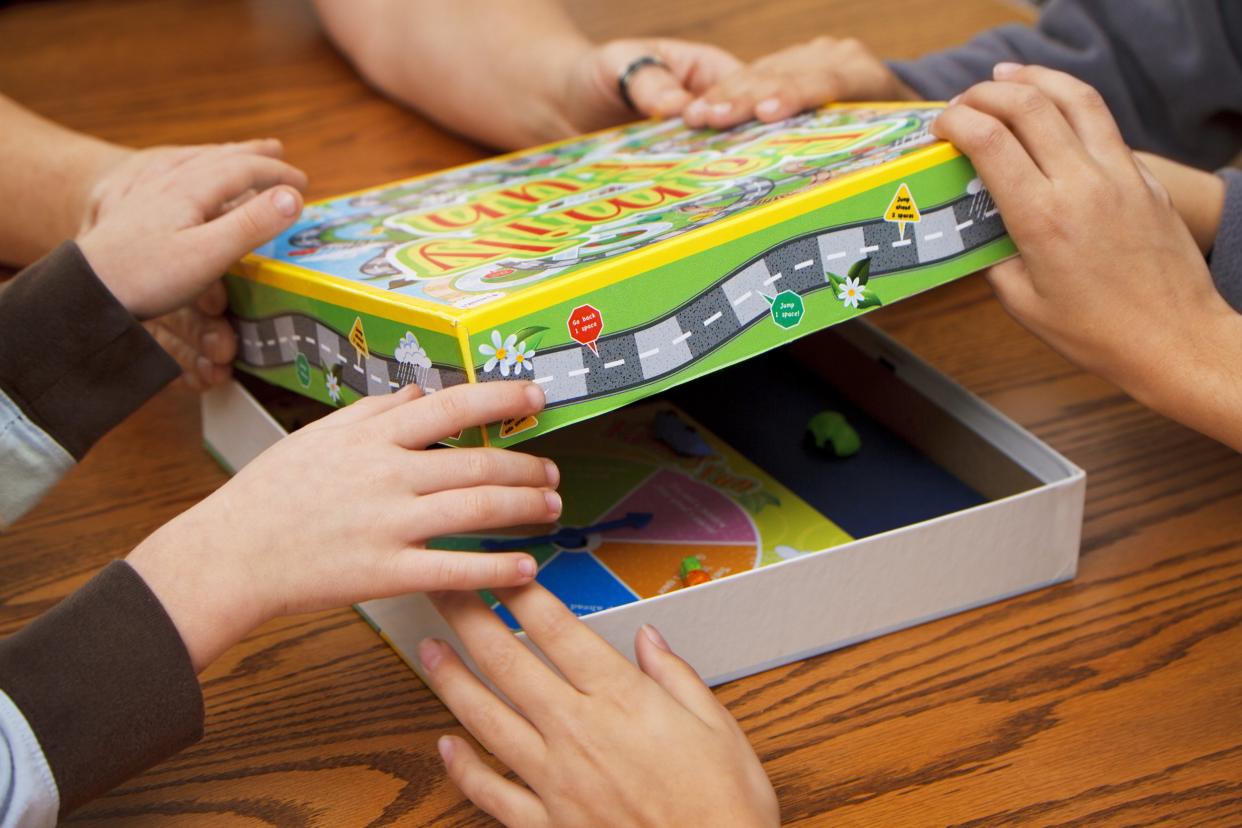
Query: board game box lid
{"x": 536, "y": 225}
{"x": 611, "y": 266}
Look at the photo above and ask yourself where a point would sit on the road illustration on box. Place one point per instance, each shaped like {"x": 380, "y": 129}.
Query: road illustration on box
{"x": 596, "y": 363}
{"x": 638, "y": 504}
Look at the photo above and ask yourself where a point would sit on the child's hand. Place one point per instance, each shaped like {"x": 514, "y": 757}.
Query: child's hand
{"x": 160, "y": 231}
{"x": 339, "y": 511}
{"x": 607, "y": 744}
{"x": 800, "y": 77}
{"x": 1109, "y": 275}
{"x": 199, "y": 338}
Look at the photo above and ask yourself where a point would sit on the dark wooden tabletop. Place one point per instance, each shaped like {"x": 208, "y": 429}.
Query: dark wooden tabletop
{"x": 1114, "y": 699}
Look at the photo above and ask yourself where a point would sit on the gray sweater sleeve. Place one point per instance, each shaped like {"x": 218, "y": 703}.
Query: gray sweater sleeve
{"x": 1226, "y": 255}
{"x": 1170, "y": 71}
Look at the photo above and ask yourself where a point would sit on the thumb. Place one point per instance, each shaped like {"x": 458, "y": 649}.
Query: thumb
{"x": 224, "y": 240}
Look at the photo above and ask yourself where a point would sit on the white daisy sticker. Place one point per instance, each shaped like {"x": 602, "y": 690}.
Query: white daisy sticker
{"x": 852, "y": 292}
{"x": 523, "y": 358}
{"x": 502, "y": 352}
{"x": 334, "y": 386}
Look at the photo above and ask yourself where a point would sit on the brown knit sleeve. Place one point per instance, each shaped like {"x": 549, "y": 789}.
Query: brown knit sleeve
{"x": 105, "y": 683}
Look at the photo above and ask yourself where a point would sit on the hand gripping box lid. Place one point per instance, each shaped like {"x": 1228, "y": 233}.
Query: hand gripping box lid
{"x": 613, "y": 266}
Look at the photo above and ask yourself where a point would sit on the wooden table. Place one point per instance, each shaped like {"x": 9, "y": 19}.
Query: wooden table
{"x": 1113, "y": 699}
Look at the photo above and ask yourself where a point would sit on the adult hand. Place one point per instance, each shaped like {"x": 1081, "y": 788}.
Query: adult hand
{"x": 593, "y": 100}
{"x": 785, "y": 83}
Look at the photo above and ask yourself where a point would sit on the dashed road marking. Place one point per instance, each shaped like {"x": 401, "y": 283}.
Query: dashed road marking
{"x": 284, "y": 339}
{"x": 578, "y": 372}
{"x": 543, "y": 380}
{"x": 614, "y": 363}
{"x": 933, "y": 236}
{"x": 715, "y": 317}
{"x": 356, "y": 368}
{"x": 271, "y": 342}
{"x": 841, "y": 254}
{"x": 325, "y": 349}
{"x": 739, "y": 300}
{"x": 804, "y": 265}
{"x": 311, "y": 340}
{"x": 990, "y": 213}
{"x": 392, "y": 384}
{"x": 377, "y": 379}
{"x": 902, "y": 242}
{"x": 965, "y": 224}
{"x": 679, "y": 339}
{"x": 869, "y": 249}
{"x": 771, "y": 279}
{"x": 650, "y": 353}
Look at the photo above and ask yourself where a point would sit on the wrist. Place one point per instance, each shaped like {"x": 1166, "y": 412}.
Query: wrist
{"x": 91, "y": 162}
{"x": 564, "y": 68}
{"x": 1203, "y": 389}
{"x": 198, "y": 585}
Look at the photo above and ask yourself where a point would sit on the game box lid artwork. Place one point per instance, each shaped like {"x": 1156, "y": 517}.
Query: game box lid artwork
{"x": 609, "y": 267}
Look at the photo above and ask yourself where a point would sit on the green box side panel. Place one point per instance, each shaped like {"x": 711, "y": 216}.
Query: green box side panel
{"x": 679, "y": 321}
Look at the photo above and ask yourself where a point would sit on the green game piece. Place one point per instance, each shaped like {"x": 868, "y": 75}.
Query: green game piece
{"x": 688, "y": 565}
{"x": 830, "y": 431}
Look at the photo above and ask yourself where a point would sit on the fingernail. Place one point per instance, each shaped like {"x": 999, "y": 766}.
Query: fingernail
{"x": 653, "y": 635}
{"x": 767, "y": 107}
{"x": 697, "y": 109}
{"x": 286, "y": 203}
{"x": 527, "y": 567}
{"x": 445, "y": 746}
{"x": 553, "y": 473}
{"x": 429, "y": 653}
{"x": 536, "y": 396}
{"x": 954, "y": 99}
{"x": 1003, "y": 70}
{"x": 722, "y": 108}
{"x": 554, "y": 502}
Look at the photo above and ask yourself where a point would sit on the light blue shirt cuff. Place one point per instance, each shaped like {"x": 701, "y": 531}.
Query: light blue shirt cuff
{"x": 28, "y": 794}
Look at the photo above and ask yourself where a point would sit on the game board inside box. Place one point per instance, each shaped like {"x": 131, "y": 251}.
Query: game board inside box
{"x": 613, "y": 266}
{"x": 722, "y": 477}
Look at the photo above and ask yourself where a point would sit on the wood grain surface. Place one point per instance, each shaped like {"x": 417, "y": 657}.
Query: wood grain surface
{"x": 1114, "y": 699}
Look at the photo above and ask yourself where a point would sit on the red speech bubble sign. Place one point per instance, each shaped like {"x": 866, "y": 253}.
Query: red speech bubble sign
{"x": 586, "y": 323}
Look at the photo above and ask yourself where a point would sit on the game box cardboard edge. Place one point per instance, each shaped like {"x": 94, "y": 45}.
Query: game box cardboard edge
{"x": 802, "y": 607}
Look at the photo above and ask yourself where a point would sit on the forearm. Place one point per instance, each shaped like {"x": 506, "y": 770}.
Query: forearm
{"x": 47, "y": 174}
{"x": 493, "y": 70}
